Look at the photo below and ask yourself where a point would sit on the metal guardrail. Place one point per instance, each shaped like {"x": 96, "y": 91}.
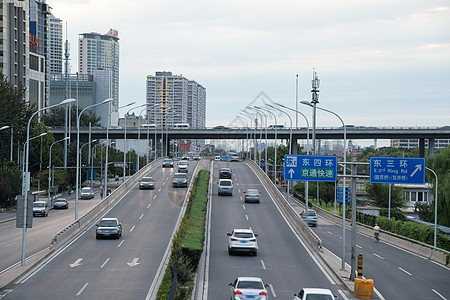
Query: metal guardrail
{"x": 417, "y": 247}
{"x": 70, "y": 230}
{"x": 297, "y": 223}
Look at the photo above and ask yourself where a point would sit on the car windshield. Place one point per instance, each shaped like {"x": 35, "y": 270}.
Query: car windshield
{"x": 250, "y": 285}
{"x": 60, "y": 201}
{"x": 311, "y": 213}
{"x": 147, "y": 179}
{"x": 179, "y": 176}
{"x": 38, "y": 204}
{"x": 225, "y": 183}
{"x": 168, "y": 160}
{"x": 318, "y": 297}
{"x": 243, "y": 235}
{"x": 107, "y": 223}
{"x": 85, "y": 189}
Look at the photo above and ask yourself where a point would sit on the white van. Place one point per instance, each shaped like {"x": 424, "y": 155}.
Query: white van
{"x": 40, "y": 208}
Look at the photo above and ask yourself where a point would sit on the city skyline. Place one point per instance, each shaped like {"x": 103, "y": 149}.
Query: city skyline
{"x": 380, "y": 63}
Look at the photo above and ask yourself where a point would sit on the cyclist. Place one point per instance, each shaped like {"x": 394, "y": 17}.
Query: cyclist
{"x": 376, "y": 232}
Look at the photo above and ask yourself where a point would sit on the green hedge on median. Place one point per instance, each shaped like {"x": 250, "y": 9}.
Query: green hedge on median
{"x": 187, "y": 245}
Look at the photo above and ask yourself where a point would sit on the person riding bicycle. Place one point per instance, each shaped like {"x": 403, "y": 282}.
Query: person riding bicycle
{"x": 376, "y": 232}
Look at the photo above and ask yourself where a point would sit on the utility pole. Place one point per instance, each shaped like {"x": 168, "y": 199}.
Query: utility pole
{"x": 68, "y": 106}
{"x": 353, "y": 200}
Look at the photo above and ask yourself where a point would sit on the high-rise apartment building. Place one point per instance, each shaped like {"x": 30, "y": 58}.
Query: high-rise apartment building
{"x": 14, "y": 43}
{"x": 39, "y": 81}
{"x": 55, "y": 45}
{"x": 167, "y": 101}
{"x": 101, "y": 52}
{"x": 174, "y": 99}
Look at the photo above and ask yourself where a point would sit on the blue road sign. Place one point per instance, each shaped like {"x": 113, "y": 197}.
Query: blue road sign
{"x": 340, "y": 194}
{"x": 310, "y": 167}
{"x": 392, "y": 170}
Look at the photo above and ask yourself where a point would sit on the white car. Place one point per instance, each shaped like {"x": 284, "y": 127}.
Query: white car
{"x": 225, "y": 187}
{"x": 248, "y": 288}
{"x": 242, "y": 240}
{"x": 87, "y": 193}
{"x": 314, "y": 293}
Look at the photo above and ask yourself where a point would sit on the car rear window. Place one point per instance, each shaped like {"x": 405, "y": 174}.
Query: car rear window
{"x": 107, "y": 223}
{"x": 250, "y": 285}
{"x": 243, "y": 235}
{"x": 318, "y": 297}
{"x": 225, "y": 183}
{"x": 147, "y": 179}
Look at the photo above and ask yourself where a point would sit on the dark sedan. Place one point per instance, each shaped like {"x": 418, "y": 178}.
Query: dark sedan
{"x": 225, "y": 173}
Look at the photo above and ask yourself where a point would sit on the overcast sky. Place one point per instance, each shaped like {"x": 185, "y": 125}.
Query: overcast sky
{"x": 380, "y": 63}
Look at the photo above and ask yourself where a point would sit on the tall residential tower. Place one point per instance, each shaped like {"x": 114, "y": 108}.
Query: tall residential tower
{"x": 101, "y": 52}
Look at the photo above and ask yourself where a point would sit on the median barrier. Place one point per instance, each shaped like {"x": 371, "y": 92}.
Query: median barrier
{"x": 75, "y": 227}
{"x": 297, "y": 223}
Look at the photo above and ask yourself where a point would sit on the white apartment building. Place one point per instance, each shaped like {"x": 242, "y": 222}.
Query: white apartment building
{"x": 100, "y": 52}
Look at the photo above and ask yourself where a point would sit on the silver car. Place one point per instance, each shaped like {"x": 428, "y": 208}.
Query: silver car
{"x": 248, "y": 288}
{"x": 242, "y": 240}
{"x": 146, "y": 183}
{"x": 310, "y": 217}
{"x": 87, "y": 193}
{"x": 179, "y": 180}
{"x": 251, "y": 195}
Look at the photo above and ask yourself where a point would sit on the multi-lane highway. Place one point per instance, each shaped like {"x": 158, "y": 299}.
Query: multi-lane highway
{"x": 129, "y": 268}
{"x": 282, "y": 261}
{"x": 125, "y": 268}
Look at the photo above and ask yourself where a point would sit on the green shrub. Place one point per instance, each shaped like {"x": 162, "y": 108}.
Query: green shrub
{"x": 187, "y": 245}
{"x": 420, "y": 232}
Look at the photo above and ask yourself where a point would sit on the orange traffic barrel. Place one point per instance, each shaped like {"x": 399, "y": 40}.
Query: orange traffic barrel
{"x": 363, "y": 288}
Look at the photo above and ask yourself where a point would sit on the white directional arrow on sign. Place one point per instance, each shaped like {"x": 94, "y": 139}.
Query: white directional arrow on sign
{"x": 418, "y": 168}
{"x": 134, "y": 262}
{"x": 76, "y": 263}
{"x": 291, "y": 172}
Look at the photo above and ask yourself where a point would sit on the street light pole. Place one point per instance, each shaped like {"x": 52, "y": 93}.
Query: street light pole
{"x": 78, "y": 152}
{"x": 345, "y": 174}
{"x": 276, "y": 140}
{"x": 435, "y": 206}
{"x": 125, "y": 140}
{"x": 50, "y": 165}
{"x": 307, "y": 149}
{"x": 81, "y": 153}
{"x": 27, "y": 176}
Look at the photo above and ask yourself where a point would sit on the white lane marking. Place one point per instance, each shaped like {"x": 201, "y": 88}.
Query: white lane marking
{"x": 263, "y": 265}
{"x": 82, "y": 289}
{"x": 436, "y": 292}
{"x": 120, "y": 244}
{"x": 243, "y": 206}
{"x": 154, "y": 197}
{"x": 165, "y": 182}
{"x": 358, "y": 246}
{"x": 141, "y": 216}
{"x": 340, "y": 237}
{"x": 132, "y": 228}
{"x": 148, "y": 206}
{"x": 76, "y": 263}
{"x": 378, "y": 255}
{"x": 240, "y": 197}
{"x": 134, "y": 262}
{"x": 329, "y": 232}
{"x": 106, "y": 261}
{"x": 272, "y": 290}
{"x": 401, "y": 269}
{"x": 10, "y": 244}
{"x": 239, "y": 190}
{"x": 342, "y": 294}
{"x": 159, "y": 190}
{"x": 246, "y": 217}
{"x": 319, "y": 227}
{"x": 237, "y": 184}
